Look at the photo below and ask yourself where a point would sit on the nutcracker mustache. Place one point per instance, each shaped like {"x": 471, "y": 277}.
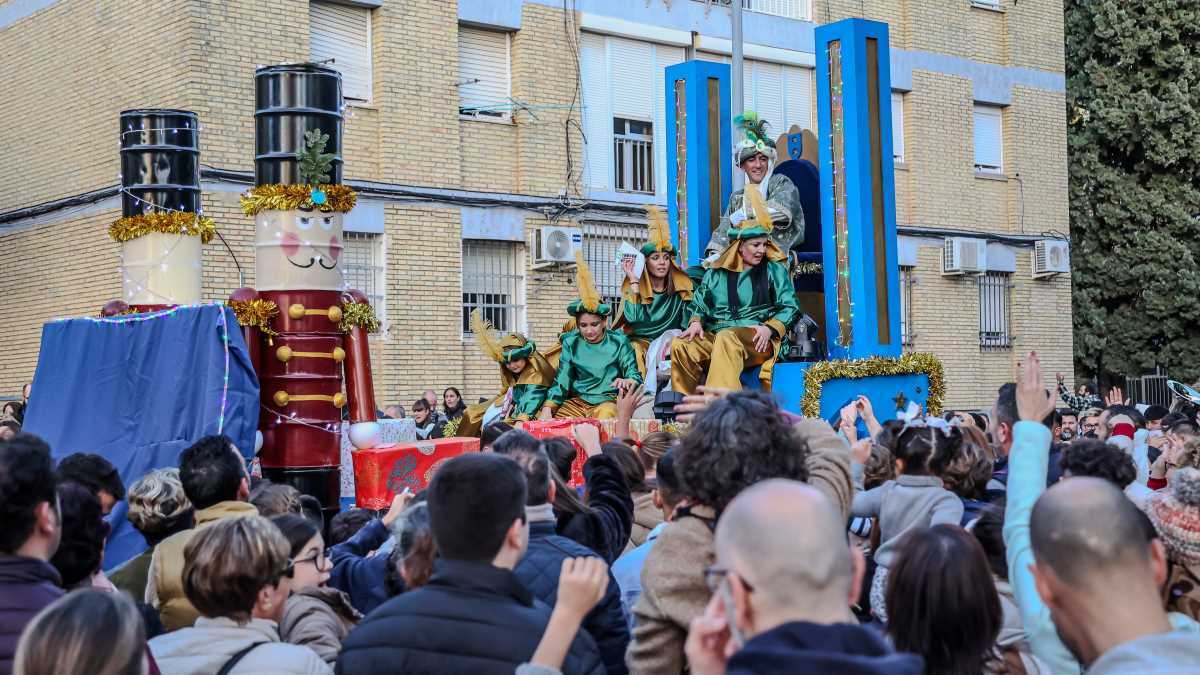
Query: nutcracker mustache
{"x": 316, "y": 259}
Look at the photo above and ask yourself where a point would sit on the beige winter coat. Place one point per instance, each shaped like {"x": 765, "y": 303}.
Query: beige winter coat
{"x": 319, "y": 618}
{"x": 205, "y": 647}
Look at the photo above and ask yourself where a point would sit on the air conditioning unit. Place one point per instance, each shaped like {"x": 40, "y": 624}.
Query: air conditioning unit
{"x": 963, "y": 255}
{"x": 557, "y": 245}
{"x": 1050, "y": 257}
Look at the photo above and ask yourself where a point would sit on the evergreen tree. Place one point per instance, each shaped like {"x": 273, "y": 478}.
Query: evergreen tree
{"x": 1133, "y": 106}
{"x": 314, "y": 161}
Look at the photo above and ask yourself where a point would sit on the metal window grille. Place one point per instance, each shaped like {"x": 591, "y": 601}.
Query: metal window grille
{"x": 789, "y": 9}
{"x": 995, "y": 319}
{"x": 600, "y": 244}
{"x": 494, "y": 283}
{"x": 906, "y": 324}
{"x": 363, "y": 268}
{"x": 633, "y": 155}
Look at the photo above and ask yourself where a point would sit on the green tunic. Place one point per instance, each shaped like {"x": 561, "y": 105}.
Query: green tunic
{"x": 648, "y": 321}
{"x": 527, "y": 400}
{"x": 783, "y": 201}
{"x": 587, "y": 370}
{"x": 780, "y": 311}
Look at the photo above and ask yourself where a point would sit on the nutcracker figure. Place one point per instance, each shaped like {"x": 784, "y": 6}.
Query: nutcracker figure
{"x": 161, "y": 228}
{"x": 306, "y": 334}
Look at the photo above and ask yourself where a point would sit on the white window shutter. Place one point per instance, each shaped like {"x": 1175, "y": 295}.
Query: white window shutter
{"x": 797, "y": 97}
{"x": 343, "y": 33}
{"x": 989, "y": 139}
{"x": 483, "y": 72}
{"x": 664, "y": 55}
{"x": 768, "y": 97}
{"x": 897, "y": 127}
{"x": 630, "y": 64}
{"x": 597, "y": 112}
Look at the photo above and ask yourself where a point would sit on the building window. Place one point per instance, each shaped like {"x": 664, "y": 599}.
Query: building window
{"x": 995, "y": 319}
{"x": 484, "y": 85}
{"x": 633, "y": 155}
{"x": 363, "y": 268}
{"x": 906, "y": 323}
{"x": 600, "y": 244}
{"x": 986, "y": 4}
{"x": 788, "y": 9}
{"x": 989, "y": 139}
{"x": 898, "y": 127}
{"x": 493, "y": 282}
{"x": 341, "y": 35}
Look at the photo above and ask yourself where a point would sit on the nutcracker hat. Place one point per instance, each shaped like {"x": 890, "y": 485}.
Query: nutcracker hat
{"x": 509, "y": 348}
{"x": 759, "y": 225}
{"x": 589, "y": 301}
{"x": 660, "y": 242}
{"x": 754, "y": 138}
{"x": 1175, "y": 513}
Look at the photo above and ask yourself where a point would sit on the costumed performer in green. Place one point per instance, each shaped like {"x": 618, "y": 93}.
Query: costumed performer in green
{"x": 657, "y": 301}
{"x": 741, "y": 312}
{"x": 595, "y": 362}
{"x": 755, "y": 155}
{"x": 525, "y": 377}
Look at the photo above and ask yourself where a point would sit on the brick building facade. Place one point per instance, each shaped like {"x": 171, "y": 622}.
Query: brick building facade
{"x": 456, "y": 174}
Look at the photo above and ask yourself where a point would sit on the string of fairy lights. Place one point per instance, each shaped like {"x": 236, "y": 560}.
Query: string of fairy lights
{"x": 841, "y": 230}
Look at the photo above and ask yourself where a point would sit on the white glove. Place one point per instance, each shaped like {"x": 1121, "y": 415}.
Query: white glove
{"x": 365, "y": 435}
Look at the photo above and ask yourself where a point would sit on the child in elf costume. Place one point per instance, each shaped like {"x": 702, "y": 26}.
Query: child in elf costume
{"x": 525, "y": 376}
{"x": 658, "y": 300}
{"x": 742, "y": 311}
{"x": 595, "y": 362}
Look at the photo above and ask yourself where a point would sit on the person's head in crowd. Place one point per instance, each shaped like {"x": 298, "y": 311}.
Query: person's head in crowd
{"x": 1090, "y": 457}
{"x": 310, "y": 507}
{"x": 81, "y": 549}
{"x": 394, "y": 411}
{"x": 979, "y": 420}
{"x": 1185, "y": 457}
{"x": 96, "y": 474}
{"x": 477, "y": 510}
{"x": 30, "y": 523}
{"x": 422, "y": 412}
{"x": 1056, "y": 424}
{"x": 527, "y": 452}
{"x": 307, "y": 550}
{"x": 1135, "y": 416}
{"x": 1089, "y": 424}
{"x": 652, "y": 447}
{"x": 632, "y": 468}
{"x": 1004, "y": 418}
{"x": 1068, "y": 429}
{"x": 66, "y": 637}
{"x": 415, "y": 553}
{"x": 10, "y": 409}
{"x": 668, "y": 491}
{"x": 879, "y": 468}
{"x": 1154, "y": 415}
{"x": 491, "y": 433}
{"x": 1098, "y": 566}
{"x": 989, "y": 532}
{"x": 452, "y": 400}
{"x": 888, "y": 432}
{"x": 562, "y": 455}
{"x": 239, "y": 569}
{"x": 968, "y": 472}
{"x": 737, "y": 441}
{"x": 26, "y": 390}
{"x": 1175, "y": 513}
{"x": 1182, "y": 431}
{"x": 213, "y": 471}
{"x": 347, "y": 523}
{"x": 760, "y": 537}
{"x": 158, "y": 508}
{"x": 8, "y": 429}
{"x": 942, "y": 602}
{"x": 273, "y": 499}
{"x": 431, "y": 399}
{"x": 927, "y": 450}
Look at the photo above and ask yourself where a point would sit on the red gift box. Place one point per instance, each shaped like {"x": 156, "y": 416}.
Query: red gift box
{"x": 562, "y": 427}
{"x": 382, "y": 473}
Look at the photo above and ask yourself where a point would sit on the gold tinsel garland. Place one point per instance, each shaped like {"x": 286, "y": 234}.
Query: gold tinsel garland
{"x": 359, "y": 314}
{"x": 257, "y": 313}
{"x": 279, "y": 197}
{"x": 451, "y": 428}
{"x": 129, "y": 228}
{"x": 909, "y": 364}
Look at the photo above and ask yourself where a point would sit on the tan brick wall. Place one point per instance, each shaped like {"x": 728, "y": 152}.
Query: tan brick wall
{"x": 938, "y": 148}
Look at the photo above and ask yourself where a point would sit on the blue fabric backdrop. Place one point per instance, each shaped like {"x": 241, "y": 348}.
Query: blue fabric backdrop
{"x": 139, "y": 389}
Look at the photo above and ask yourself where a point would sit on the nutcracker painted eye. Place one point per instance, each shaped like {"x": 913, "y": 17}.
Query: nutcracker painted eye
{"x": 304, "y": 222}
{"x": 327, "y": 223}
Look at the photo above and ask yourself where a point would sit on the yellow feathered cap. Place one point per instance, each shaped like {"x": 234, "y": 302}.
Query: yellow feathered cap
{"x": 660, "y": 233}
{"x": 589, "y": 300}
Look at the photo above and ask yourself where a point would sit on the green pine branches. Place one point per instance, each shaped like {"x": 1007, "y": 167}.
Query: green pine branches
{"x": 314, "y": 161}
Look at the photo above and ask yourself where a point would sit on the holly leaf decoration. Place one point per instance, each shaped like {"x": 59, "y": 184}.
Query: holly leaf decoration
{"x": 313, "y": 160}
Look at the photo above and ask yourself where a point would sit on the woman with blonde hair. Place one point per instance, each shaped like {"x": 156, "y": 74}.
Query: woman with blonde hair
{"x": 158, "y": 508}
{"x": 238, "y": 575}
{"x": 88, "y": 631}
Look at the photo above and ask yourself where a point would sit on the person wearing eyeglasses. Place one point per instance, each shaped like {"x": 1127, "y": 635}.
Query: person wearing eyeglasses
{"x": 238, "y": 575}
{"x": 315, "y": 615}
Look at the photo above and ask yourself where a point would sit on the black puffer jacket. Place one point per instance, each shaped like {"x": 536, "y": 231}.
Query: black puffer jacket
{"x": 470, "y": 618}
{"x": 608, "y": 521}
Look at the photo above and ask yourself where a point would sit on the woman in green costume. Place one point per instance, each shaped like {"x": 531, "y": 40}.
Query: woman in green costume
{"x": 525, "y": 377}
{"x": 658, "y": 300}
{"x": 595, "y": 362}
